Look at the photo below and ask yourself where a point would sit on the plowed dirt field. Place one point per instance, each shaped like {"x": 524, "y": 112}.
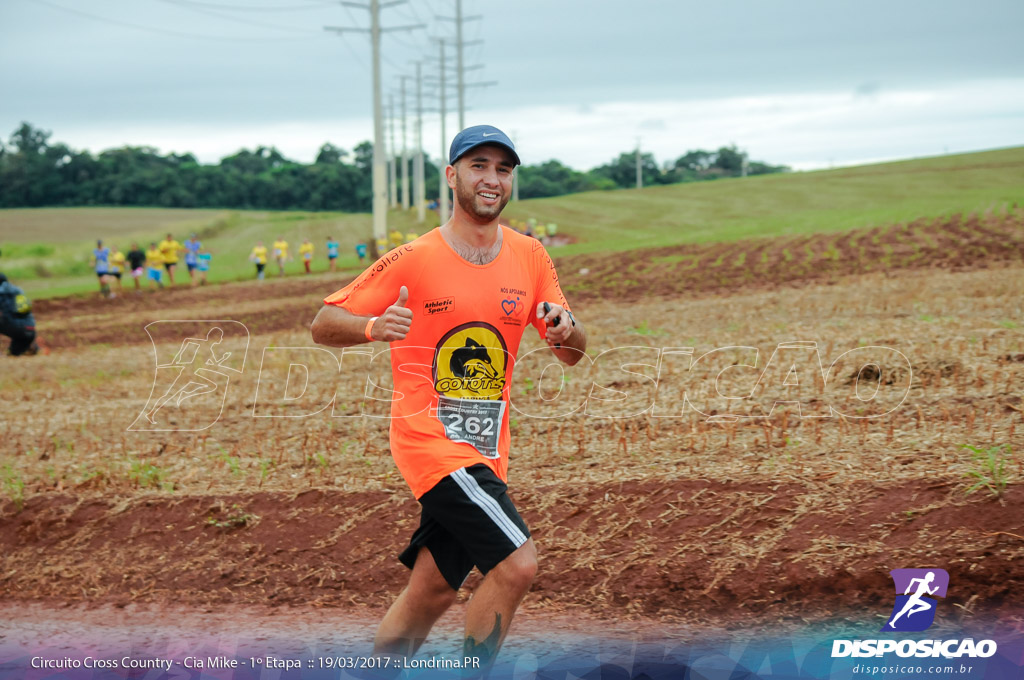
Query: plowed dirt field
{"x": 656, "y": 490}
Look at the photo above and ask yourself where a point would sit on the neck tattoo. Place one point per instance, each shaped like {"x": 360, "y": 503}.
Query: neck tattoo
{"x": 473, "y": 254}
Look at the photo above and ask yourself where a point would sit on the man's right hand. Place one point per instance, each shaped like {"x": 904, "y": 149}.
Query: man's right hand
{"x": 396, "y": 320}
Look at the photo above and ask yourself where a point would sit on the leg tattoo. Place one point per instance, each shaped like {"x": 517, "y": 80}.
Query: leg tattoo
{"x": 486, "y": 649}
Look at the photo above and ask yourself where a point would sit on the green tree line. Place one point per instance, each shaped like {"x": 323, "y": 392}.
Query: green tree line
{"x": 36, "y": 172}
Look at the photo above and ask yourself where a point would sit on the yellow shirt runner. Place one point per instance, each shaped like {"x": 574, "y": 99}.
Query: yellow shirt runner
{"x": 169, "y": 251}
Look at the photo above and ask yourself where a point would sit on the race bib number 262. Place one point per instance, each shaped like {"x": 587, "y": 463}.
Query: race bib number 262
{"x": 476, "y": 422}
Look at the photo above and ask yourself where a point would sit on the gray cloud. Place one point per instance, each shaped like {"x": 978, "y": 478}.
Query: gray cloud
{"x": 149, "y": 62}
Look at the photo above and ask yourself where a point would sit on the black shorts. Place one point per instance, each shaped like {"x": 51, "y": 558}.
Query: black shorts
{"x": 169, "y": 265}
{"x": 468, "y": 520}
{"x": 116, "y": 275}
{"x": 259, "y": 267}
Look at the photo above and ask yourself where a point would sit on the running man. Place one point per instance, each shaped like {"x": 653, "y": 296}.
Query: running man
{"x": 154, "y": 265}
{"x": 192, "y": 248}
{"x": 395, "y": 238}
{"x": 170, "y": 248}
{"x": 117, "y": 260}
{"x": 137, "y": 263}
{"x": 306, "y": 253}
{"x": 332, "y": 253}
{"x": 915, "y": 604}
{"x": 101, "y": 264}
{"x": 280, "y": 254}
{"x": 361, "y": 250}
{"x": 454, "y": 305}
{"x": 258, "y": 256}
{"x": 203, "y": 267}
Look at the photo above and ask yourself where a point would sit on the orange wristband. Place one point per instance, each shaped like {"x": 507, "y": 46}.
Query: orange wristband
{"x": 369, "y": 328}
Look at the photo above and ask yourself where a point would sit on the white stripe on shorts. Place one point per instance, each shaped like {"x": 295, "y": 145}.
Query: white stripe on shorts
{"x": 490, "y": 506}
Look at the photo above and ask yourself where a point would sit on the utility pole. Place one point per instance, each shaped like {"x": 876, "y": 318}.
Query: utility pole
{"x": 392, "y": 173}
{"x": 442, "y": 196}
{"x": 458, "y": 65}
{"x": 639, "y": 167}
{"x": 460, "y": 69}
{"x": 405, "y": 150}
{"x": 380, "y": 189}
{"x": 418, "y": 169}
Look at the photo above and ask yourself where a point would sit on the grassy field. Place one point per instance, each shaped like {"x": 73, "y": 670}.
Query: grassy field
{"x": 47, "y": 250}
{"x": 59, "y": 263}
{"x": 773, "y": 205}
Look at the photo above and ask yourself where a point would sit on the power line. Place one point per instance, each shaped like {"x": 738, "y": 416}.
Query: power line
{"x": 240, "y": 20}
{"x": 159, "y": 31}
{"x": 254, "y": 8}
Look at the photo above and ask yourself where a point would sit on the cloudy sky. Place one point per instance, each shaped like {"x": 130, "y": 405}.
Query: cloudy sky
{"x": 809, "y": 83}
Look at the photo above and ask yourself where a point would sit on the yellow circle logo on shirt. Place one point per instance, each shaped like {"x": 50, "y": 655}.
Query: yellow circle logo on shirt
{"x": 470, "y": 361}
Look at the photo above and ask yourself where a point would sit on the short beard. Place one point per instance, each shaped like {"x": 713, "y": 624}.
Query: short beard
{"x": 467, "y": 199}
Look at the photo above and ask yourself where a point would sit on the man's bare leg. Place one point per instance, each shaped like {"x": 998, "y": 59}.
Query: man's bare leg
{"x": 418, "y": 607}
{"x": 490, "y": 611}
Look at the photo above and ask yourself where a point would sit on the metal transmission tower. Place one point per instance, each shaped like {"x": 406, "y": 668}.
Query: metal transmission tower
{"x": 380, "y": 199}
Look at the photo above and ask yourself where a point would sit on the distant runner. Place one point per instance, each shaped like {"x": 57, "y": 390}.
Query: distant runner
{"x": 306, "y": 253}
{"x": 137, "y": 263}
{"x": 169, "y": 249}
{"x": 101, "y": 264}
{"x": 280, "y": 254}
{"x": 154, "y": 266}
{"x": 332, "y": 253}
{"x": 192, "y": 248}
{"x": 204, "y": 266}
{"x": 117, "y": 260}
{"x": 395, "y": 238}
{"x": 258, "y": 256}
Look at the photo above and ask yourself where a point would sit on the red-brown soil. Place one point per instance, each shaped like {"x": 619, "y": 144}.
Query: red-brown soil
{"x": 676, "y": 549}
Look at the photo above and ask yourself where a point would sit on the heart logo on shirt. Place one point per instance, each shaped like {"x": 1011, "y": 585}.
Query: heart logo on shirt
{"x": 508, "y": 306}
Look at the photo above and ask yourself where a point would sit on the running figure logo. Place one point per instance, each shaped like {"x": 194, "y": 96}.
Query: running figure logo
{"x": 190, "y": 385}
{"x": 915, "y": 611}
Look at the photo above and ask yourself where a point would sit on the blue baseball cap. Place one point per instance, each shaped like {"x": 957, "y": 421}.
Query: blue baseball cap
{"x": 473, "y": 137}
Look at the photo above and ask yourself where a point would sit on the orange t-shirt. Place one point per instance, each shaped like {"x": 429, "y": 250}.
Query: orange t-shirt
{"x": 453, "y": 370}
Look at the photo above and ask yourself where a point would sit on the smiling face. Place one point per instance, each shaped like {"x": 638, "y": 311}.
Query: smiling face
{"x": 482, "y": 182}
